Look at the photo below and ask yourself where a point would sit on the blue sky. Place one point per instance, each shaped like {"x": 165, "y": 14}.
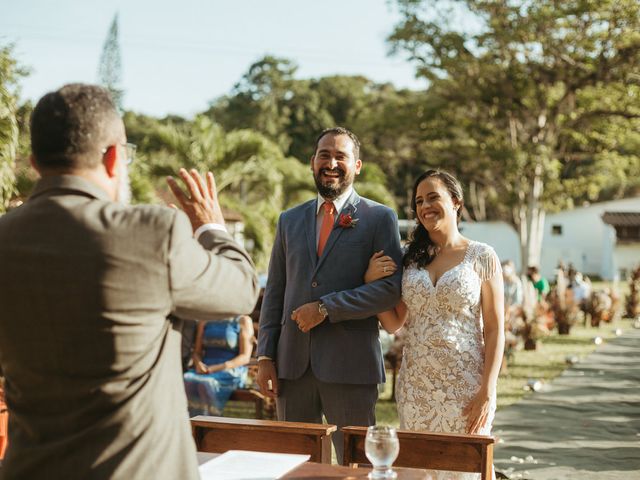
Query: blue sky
{"x": 179, "y": 55}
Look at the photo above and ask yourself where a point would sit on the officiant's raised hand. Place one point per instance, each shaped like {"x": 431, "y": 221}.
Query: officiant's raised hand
{"x": 201, "y": 203}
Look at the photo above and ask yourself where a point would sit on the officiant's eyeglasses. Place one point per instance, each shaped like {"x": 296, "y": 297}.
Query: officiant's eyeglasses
{"x": 131, "y": 151}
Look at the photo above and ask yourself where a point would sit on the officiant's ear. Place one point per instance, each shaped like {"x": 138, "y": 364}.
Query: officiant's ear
{"x": 110, "y": 160}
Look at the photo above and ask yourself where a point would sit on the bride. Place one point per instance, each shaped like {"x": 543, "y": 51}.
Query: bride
{"x": 452, "y": 303}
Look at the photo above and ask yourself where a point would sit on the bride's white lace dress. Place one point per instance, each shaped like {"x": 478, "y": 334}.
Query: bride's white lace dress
{"x": 443, "y": 356}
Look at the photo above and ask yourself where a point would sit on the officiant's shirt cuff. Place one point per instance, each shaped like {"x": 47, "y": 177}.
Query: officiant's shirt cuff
{"x": 208, "y": 226}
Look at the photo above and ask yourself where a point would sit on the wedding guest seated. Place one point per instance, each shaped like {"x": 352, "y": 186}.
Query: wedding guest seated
{"x": 540, "y": 283}
{"x": 220, "y": 357}
{"x": 580, "y": 288}
{"x": 513, "y": 310}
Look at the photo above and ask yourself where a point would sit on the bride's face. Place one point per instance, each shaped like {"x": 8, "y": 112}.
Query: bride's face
{"x": 435, "y": 208}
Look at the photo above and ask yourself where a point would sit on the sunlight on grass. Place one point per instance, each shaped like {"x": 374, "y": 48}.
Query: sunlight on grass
{"x": 544, "y": 364}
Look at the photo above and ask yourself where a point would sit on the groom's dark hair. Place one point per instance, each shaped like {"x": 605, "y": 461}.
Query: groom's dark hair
{"x": 341, "y": 131}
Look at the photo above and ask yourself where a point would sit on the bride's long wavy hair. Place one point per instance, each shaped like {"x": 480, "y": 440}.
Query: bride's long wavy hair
{"x": 421, "y": 250}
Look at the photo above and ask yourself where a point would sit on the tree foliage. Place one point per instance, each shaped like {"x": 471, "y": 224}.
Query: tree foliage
{"x": 292, "y": 112}
{"x": 538, "y": 106}
{"x": 10, "y": 74}
{"x": 253, "y": 176}
{"x": 110, "y": 66}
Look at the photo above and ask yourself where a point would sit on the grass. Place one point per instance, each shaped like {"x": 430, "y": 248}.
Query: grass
{"x": 544, "y": 364}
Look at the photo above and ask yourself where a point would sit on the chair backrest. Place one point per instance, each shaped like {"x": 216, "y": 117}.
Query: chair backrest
{"x": 219, "y": 434}
{"x": 433, "y": 451}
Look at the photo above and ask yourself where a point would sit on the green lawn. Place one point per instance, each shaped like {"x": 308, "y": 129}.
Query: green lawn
{"x": 545, "y": 363}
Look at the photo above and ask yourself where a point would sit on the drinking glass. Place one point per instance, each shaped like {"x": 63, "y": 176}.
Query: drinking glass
{"x": 381, "y": 448}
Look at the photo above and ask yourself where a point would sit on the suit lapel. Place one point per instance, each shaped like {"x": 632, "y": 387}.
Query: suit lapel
{"x": 349, "y": 208}
{"x": 310, "y": 228}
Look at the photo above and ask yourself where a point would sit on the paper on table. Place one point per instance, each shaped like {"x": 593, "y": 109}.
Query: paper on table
{"x": 245, "y": 465}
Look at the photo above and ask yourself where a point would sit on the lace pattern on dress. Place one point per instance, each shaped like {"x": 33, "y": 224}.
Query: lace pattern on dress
{"x": 443, "y": 357}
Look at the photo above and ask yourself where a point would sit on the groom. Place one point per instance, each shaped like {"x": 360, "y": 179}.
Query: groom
{"x": 318, "y": 346}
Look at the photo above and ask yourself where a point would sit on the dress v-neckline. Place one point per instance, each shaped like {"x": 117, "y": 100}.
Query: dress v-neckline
{"x": 464, "y": 259}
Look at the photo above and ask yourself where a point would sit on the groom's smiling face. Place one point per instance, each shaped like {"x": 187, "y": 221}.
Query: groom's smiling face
{"x": 334, "y": 165}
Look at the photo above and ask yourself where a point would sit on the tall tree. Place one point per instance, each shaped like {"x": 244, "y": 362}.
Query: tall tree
{"x": 536, "y": 97}
{"x": 10, "y": 73}
{"x": 110, "y": 68}
{"x": 259, "y": 100}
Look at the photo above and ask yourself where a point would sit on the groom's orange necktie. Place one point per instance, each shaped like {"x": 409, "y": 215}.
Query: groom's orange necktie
{"x": 327, "y": 226}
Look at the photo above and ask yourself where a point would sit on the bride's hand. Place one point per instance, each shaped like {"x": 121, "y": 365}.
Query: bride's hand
{"x": 477, "y": 412}
{"x": 380, "y": 266}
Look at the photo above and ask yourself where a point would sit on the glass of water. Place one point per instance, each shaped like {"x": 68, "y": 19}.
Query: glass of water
{"x": 381, "y": 448}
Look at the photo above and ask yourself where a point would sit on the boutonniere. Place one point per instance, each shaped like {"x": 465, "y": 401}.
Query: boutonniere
{"x": 347, "y": 221}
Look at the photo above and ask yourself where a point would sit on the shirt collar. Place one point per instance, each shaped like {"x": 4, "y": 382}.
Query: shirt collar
{"x": 56, "y": 184}
{"x": 338, "y": 203}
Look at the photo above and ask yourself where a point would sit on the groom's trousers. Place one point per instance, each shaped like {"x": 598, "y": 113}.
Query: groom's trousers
{"x": 307, "y": 399}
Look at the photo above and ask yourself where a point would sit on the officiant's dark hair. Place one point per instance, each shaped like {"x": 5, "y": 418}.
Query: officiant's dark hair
{"x": 71, "y": 126}
{"x": 421, "y": 249}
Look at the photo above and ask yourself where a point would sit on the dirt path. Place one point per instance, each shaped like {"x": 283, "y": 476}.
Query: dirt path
{"x": 584, "y": 425}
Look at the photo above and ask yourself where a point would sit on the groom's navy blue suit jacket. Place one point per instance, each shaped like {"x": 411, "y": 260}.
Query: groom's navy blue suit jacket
{"x": 345, "y": 347}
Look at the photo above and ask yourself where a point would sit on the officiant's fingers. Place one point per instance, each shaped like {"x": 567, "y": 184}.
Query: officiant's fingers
{"x": 177, "y": 191}
{"x": 211, "y": 185}
{"x": 190, "y": 182}
{"x": 199, "y": 181}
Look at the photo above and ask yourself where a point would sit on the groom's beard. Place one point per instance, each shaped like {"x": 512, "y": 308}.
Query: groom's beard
{"x": 331, "y": 191}
{"x": 124, "y": 187}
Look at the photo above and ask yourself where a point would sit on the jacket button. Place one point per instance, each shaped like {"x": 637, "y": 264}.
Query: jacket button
{"x": 314, "y": 284}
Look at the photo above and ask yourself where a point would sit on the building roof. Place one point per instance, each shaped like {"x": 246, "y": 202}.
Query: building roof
{"x": 622, "y": 219}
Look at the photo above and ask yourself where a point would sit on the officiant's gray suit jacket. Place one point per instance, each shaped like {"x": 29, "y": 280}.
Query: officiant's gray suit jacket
{"x": 345, "y": 347}
{"x": 92, "y": 364}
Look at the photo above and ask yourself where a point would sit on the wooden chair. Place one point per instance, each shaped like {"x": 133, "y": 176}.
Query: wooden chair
{"x": 433, "y": 451}
{"x": 264, "y": 406}
{"x": 219, "y": 434}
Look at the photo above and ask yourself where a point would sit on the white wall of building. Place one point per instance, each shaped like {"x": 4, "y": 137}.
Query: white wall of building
{"x": 627, "y": 258}
{"x": 580, "y": 237}
{"x": 500, "y": 235}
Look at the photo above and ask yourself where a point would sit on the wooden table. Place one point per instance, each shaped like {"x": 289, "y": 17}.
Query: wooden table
{"x": 321, "y": 471}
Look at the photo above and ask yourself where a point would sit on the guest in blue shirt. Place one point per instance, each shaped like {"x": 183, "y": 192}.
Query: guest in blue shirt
{"x": 221, "y": 354}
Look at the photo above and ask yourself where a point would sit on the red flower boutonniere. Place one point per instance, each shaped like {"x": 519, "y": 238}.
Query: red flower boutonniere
{"x": 347, "y": 221}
